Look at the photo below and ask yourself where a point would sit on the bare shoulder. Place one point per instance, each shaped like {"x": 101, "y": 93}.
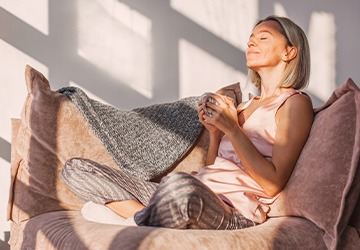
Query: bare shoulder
{"x": 298, "y": 107}
{"x": 299, "y": 102}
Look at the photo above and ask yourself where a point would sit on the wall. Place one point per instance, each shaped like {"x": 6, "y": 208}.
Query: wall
{"x": 133, "y": 53}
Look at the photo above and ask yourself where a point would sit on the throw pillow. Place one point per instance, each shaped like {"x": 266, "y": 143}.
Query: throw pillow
{"x": 324, "y": 186}
{"x": 52, "y": 130}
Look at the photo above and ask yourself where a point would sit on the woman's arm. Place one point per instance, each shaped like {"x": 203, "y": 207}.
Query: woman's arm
{"x": 213, "y": 148}
{"x": 294, "y": 120}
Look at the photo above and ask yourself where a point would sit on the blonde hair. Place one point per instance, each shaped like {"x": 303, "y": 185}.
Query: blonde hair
{"x": 297, "y": 72}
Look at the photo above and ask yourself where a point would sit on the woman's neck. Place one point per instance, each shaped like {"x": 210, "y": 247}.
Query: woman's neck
{"x": 270, "y": 83}
{"x": 269, "y": 91}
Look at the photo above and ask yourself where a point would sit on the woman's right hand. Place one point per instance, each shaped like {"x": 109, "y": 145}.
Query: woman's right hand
{"x": 214, "y": 133}
{"x": 202, "y": 118}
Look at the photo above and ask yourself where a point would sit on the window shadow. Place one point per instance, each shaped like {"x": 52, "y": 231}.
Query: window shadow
{"x": 3, "y": 244}
{"x": 5, "y": 150}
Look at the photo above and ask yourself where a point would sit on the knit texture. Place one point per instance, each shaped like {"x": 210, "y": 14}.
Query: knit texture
{"x": 144, "y": 142}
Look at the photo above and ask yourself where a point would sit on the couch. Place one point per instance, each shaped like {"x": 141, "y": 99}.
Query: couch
{"x": 318, "y": 209}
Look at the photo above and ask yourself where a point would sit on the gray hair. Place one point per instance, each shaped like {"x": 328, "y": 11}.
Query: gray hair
{"x": 297, "y": 72}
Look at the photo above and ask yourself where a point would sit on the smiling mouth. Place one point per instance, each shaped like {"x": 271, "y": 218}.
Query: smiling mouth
{"x": 252, "y": 52}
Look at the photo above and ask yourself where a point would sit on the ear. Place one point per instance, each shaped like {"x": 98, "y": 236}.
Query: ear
{"x": 291, "y": 53}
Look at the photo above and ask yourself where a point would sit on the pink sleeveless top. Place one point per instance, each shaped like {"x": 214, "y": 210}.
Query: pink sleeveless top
{"x": 228, "y": 178}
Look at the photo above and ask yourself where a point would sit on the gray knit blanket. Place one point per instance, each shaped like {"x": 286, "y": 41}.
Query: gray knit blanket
{"x": 144, "y": 142}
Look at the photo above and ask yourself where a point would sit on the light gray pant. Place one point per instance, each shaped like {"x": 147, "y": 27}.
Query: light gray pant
{"x": 179, "y": 201}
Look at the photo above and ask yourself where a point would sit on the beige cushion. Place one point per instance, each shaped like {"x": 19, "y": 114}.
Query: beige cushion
{"x": 324, "y": 186}
{"x": 69, "y": 230}
{"x": 51, "y": 131}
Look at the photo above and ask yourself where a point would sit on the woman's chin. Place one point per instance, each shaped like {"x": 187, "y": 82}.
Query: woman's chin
{"x": 252, "y": 66}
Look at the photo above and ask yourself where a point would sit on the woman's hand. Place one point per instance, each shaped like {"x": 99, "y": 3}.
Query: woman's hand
{"x": 215, "y": 134}
{"x": 222, "y": 114}
{"x": 203, "y": 118}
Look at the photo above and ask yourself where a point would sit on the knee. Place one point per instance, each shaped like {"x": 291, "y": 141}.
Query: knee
{"x": 71, "y": 168}
{"x": 179, "y": 186}
{"x": 177, "y": 202}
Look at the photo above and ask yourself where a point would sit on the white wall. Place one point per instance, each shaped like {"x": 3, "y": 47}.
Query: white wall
{"x": 133, "y": 53}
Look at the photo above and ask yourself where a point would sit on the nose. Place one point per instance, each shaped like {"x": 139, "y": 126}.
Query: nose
{"x": 251, "y": 42}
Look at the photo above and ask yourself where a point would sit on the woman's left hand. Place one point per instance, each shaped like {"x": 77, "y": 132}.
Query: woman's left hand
{"x": 223, "y": 113}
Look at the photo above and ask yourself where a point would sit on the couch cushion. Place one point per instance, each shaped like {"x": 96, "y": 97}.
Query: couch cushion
{"x": 69, "y": 230}
{"x": 51, "y": 131}
{"x": 324, "y": 186}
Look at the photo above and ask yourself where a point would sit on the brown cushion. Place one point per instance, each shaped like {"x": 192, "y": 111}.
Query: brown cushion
{"x": 324, "y": 186}
{"x": 51, "y": 131}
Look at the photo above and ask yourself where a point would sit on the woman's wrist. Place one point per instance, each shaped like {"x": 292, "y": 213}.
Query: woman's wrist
{"x": 215, "y": 135}
{"x": 234, "y": 132}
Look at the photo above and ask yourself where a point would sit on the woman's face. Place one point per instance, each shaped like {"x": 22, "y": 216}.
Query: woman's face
{"x": 267, "y": 47}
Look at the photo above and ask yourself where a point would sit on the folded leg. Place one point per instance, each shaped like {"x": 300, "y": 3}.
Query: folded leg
{"x": 182, "y": 201}
{"x": 92, "y": 181}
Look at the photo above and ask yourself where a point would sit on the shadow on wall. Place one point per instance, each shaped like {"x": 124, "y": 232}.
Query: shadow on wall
{"x": 146, "y": 70}
{"x": 3, "y": 244}
{"x": 137, "y": 58}
{"x": 60, "y": 52}
{"x": 5, "y": 150}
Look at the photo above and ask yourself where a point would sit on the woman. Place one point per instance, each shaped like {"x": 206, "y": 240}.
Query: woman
{"x": 253, "y": 147}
